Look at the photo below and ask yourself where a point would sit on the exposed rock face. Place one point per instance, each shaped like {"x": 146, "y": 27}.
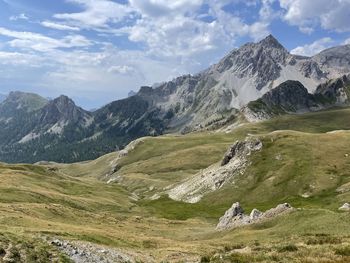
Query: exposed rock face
{"x": 236, "y": 211}
{"x": 345, "y": 207}
{"x": 255, "y": 214}
{"x": 63, "y": 109}
{"x": 293, "y": 97}
{"x": 241, "y": 148}
{"x": 336, "y": 91}
{"x": 235, "y": 217}
{"x": 214, "y": 177}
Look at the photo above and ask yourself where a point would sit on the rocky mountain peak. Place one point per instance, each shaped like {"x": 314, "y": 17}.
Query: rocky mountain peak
{"x": 63, "y": 102}
{"x": 22, "y": 101}
{"x": 271, "y": 42}
{"x": 62, "y": 109}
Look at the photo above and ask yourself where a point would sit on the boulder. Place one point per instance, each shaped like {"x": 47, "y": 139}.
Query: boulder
{"x": 235, "y": 217}
{"x": 255, "y": 214}
{"x": 345, "y": 207}
{"x": 231, "y": 213}
{"x": 281, "y": 208}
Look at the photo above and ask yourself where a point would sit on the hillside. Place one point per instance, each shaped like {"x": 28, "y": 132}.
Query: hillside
{"x": 303, "y": 161}
{"x": 291, "y": 97}
{"x": 34, "y": 129}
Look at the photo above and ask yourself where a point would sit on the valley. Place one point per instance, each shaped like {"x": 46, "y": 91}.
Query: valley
{"x": 304, "y": 161}
{"x": 158, "y": 131}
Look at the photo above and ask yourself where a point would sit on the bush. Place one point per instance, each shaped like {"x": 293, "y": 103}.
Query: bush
{"x": 288, "y": 248}
{"x": 240, "y": 258}
{"x": 344, "y": 251}
{"x": 323, "y": 239}
{"x": 205, "y": 259}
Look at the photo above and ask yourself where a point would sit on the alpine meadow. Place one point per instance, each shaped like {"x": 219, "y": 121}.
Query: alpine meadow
{"x": 235, "y": 148}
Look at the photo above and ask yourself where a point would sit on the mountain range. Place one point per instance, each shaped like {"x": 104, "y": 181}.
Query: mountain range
{"x": 2, "y": 97}
{"x": 256, "y": 81}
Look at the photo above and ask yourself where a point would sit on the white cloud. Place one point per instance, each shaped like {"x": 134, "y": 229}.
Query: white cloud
{"x": 97, "y": 13}
{"x": 267, "y": 12}
{"x": 58, "y": 26}
{"x": 156, "y": 8}
{"x": 329, "y": 14}
{"x": 39, "y": 42}
{"x": 19, "y": 17}
{"x": 346, "y": 41}
{"x": 174, "y": 37}
{"x": 306, "y": 30}
{"x": 175, "y": 29}
{"x": 16, "y": 58}
{"x": 313, "y": 48}
{"x": 121, "y": 69}
{"x": 170, "y": 28}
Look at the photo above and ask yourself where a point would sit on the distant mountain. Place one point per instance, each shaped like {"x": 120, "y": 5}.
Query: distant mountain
{"x": 2, "y": 97}
{"x": 21, "y": 102}
{"x": 293, "y": 97}
{"x": 244, "y": 75}
{"x": 132, "y": 93}
{"x": 33, "y": 128}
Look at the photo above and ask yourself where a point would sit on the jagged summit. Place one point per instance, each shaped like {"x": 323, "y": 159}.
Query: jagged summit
{"x": 62, "y": 109}
{"x": 271, "y": 41}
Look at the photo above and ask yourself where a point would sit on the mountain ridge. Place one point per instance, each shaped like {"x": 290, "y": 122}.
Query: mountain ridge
{"x": 187, "y": 103}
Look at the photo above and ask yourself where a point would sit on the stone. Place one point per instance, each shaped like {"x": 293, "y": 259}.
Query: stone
{"x": 345, "y": 207}
{"x": 255, "y": 214}
{"x": 235, "y": 217}
{"x": 231, "y": 213}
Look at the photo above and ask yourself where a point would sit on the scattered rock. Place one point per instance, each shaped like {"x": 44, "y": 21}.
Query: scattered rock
{"x": 57, "y": 243}
{"x": 80, "y": 252}
{"x": 279, "y": 157}
{"x": 235, "y": 211}
{"x": 235, "y": 217}
{"x": 305, "y": 195}
{"x": 345, "y": 207}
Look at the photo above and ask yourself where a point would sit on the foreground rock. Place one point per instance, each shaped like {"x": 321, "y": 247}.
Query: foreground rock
{"x": 80, "y": 252}
{"x": 235, "y": 217}
{"x": 345, "y": 207}
{"x": 234, "y": 162}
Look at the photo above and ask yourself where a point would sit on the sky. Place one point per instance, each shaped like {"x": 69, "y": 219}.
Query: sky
{"x": 96, "y": 51}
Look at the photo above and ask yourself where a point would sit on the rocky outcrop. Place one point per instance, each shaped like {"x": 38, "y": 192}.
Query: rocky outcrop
{"x": 80, "y": 252}
{"x": 345, "y": 207}
{"x": 235, "y": 217}
{"x": 234, "y": 162}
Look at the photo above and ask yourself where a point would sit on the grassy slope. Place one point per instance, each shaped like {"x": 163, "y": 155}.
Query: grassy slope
{"x": 70, "y": 202}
